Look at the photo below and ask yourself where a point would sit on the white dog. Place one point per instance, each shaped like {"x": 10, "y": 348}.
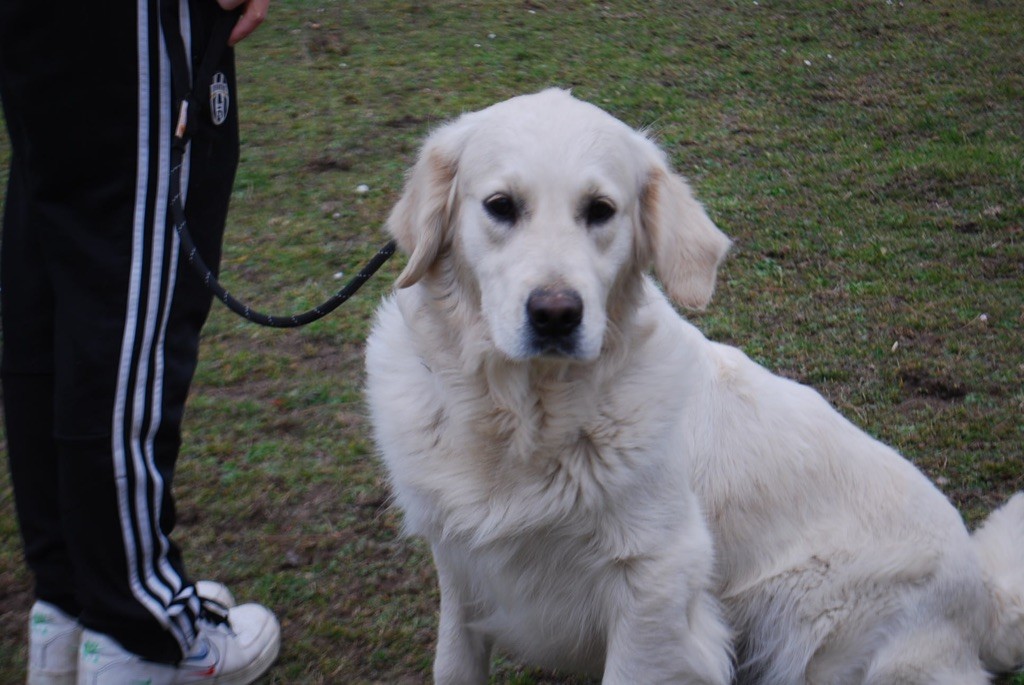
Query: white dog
{"x": 605, "y": 490}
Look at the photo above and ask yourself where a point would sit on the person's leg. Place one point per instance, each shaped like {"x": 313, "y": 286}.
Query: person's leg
{"x": 158, "y": 358}
{"x": 132, "y": 319}
{"x": 87, "y": 93}
{"x": 26, "y": 303}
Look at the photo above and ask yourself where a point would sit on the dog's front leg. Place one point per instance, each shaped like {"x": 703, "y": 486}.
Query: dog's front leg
{"x": 662, "y": 636}
{"x": 463, "y": 655}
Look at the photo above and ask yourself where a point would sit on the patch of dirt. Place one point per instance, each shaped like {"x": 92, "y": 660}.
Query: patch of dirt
{"x": 920, "y": 383}
{"x": 1004, "y": 266}
{"x": 407, "y": 121}
{"x": 329, "y": 163}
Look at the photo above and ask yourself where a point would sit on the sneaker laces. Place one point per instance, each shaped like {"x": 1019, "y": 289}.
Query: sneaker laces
{"x": 213, "y": 611}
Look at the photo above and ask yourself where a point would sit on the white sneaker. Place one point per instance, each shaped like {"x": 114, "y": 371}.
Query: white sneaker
{"x": 53, "y": 639}
{"x": 234, "y": 652}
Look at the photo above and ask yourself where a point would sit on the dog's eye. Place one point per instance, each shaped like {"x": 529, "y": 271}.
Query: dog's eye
{"x": 598, "y": 211}
{"x": 501, "y": 208}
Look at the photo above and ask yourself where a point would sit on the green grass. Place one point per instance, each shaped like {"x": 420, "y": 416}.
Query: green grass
{"x": 866, "y": 156}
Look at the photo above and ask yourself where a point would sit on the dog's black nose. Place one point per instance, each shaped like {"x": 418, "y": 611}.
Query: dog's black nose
{"x": 554, "y": 313}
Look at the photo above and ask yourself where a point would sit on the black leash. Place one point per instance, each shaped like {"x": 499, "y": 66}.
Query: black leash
{"x": 191, "y": 106}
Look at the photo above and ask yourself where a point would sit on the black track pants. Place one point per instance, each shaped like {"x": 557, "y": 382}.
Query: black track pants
{"x": 101, "y": 316}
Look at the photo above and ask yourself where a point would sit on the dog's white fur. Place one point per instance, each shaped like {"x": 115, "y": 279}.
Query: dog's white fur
{"x": 625, "y": 506}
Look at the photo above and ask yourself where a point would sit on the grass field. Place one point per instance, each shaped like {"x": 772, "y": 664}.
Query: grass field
{"x": 866, "y": 156}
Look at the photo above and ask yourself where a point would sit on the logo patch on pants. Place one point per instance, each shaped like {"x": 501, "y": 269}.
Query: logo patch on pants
{"x": 220, "y": 98}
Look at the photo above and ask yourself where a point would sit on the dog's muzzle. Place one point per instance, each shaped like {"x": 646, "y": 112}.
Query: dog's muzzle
{"x": 554, "y": 317}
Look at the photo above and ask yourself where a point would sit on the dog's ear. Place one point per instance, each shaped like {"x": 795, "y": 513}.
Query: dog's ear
{"x": 684, "y": 244}
{"x": 420, "y": 220}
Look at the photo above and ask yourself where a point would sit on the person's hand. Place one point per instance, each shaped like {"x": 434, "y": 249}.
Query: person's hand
{"x": 252, "y": 16}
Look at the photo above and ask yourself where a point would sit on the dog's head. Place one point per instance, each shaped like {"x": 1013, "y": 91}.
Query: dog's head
{"x": 544, "y": 207}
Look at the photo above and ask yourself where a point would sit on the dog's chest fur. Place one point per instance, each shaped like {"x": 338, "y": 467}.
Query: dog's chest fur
{"x": 531, "y": 447}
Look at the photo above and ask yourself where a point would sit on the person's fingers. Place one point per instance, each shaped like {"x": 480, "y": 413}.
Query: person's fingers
{"x": 253, "y": 15}
{"x": 229, "y": 4}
